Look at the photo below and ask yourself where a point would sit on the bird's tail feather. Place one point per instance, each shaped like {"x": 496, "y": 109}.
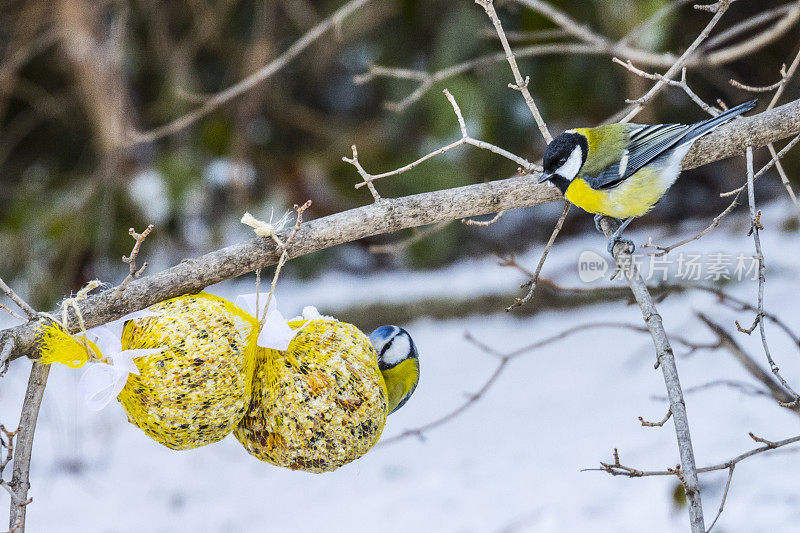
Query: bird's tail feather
{"x": 701, "y": 128}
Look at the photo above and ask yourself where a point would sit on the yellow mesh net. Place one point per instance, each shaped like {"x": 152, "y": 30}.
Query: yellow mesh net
{"x": 319, "y": 404}
{"x": 58, "y": 346}
{"x": 196, "y": 389}
{"x": 316, "y": 406}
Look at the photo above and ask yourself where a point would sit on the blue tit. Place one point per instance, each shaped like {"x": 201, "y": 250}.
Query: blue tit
{"x": 623, "y": 170}
{"x": 398, "y": 362}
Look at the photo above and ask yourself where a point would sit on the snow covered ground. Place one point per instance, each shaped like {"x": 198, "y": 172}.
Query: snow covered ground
{"x": 510, "y": 463}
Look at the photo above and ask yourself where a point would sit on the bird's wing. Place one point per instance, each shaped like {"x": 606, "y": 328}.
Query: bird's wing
{"x": 646, "y": 143}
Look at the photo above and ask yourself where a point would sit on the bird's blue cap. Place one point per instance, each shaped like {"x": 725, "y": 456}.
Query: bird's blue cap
{"x": 383, "y": 333}
{"x": 393, "y": 345}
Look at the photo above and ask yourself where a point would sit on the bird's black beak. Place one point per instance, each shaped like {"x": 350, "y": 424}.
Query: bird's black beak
{"x": 545, "y": 177}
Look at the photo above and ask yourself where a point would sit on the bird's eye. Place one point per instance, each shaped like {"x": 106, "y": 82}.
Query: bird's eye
{"x": 562, "y": 160}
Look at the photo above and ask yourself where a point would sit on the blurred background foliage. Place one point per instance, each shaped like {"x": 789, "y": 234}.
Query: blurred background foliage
{"x": 76, "y": 76}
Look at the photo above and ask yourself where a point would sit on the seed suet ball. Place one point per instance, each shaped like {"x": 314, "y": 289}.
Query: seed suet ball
{"x": 197, "y": 388}
{"x": 319, "y": 404}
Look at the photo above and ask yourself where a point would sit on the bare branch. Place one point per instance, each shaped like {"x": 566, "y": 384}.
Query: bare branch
{"x": 22, "y": 304}
{"x": 220, "y": 98}
{"x": 666, "y": 360}
{"x": 484, "y": 223}
{"x": 134, "y": 273}
{"x": 618, "y": 469}
{"x": 12, "y": 312}
{"x": 726, "y": 341}
{"x": 724, "y": 497}
{"x": 386, "y": 216}
{"x": 20, "y": 480}
{"x": 639, "y": 103}
{"x": 663, "y": 421}
{"x": 753, "y": 89}
{"x": 505, "y": 359}
{"x": 465, "y": 139}
{"x": 754, "y": 230}
{"x": 591, "y": 46}
{"x": 520, "y": 84}
{"x": 681, "y": 84}
{"x": 531, "y": 283}
{"x": 8, "y": 444}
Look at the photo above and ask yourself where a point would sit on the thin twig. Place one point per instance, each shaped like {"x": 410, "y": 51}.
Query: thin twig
{"x": 251, "y": 81}
{"x": 7, "y": 442}
{"x": 618, "y": 469}
{"x": 682, "y": 84}
{"x": 465, "y": 139}
{"x": 755, "y": 228}
{"x": 640, "y": 103}
{"x": 134, "y": 273}
{"x": 585, "y": 45}
{"x": 483, "y": 223}
{"x": 521, "y": 84}
{"x": 754, "y": 89}
{"x": 504, "y": 360}
{"x": 22, "y": 304}
{"x": 531, "y": 283}
{"x": 12, "y": 312}
{"x": 663, "y": 421}
{"x": 724, "y": 497}
{"x": 284, "y": 249}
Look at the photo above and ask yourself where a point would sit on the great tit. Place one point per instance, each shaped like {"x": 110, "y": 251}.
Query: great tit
{"x": 623, "y": 170}
{"x": 398, "y": 361}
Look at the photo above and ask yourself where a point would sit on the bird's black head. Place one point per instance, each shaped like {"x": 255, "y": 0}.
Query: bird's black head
{"x": 564, "y": 158}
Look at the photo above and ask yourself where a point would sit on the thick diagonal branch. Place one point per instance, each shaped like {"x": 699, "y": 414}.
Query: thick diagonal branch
{"x": 385, "y": 216}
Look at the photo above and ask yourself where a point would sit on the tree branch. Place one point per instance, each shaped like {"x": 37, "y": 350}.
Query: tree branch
{"x": 666, "y": 360}
{"x": 20, "y": 480}
{"x": 387, "y": 216}
{"x": 727, "y": 341}
{"x": 249, "y": 82}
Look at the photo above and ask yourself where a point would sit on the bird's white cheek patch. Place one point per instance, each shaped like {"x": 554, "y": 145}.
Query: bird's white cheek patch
{"x": 570, "y": 169}
{"x": 398, "y": 351}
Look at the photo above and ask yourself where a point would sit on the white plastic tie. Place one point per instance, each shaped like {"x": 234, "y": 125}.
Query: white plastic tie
{"x": 102, "y": 382}
{"x": 275, "y": 332}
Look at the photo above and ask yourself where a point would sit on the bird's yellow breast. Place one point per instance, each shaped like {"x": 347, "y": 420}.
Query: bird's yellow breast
{"x": 401, "y": 380}
{"x": 633, "y": 197}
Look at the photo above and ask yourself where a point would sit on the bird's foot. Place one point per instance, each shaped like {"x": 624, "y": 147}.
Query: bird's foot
{"x": 597, "y": 223}
{"x": 615, "y": 239}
